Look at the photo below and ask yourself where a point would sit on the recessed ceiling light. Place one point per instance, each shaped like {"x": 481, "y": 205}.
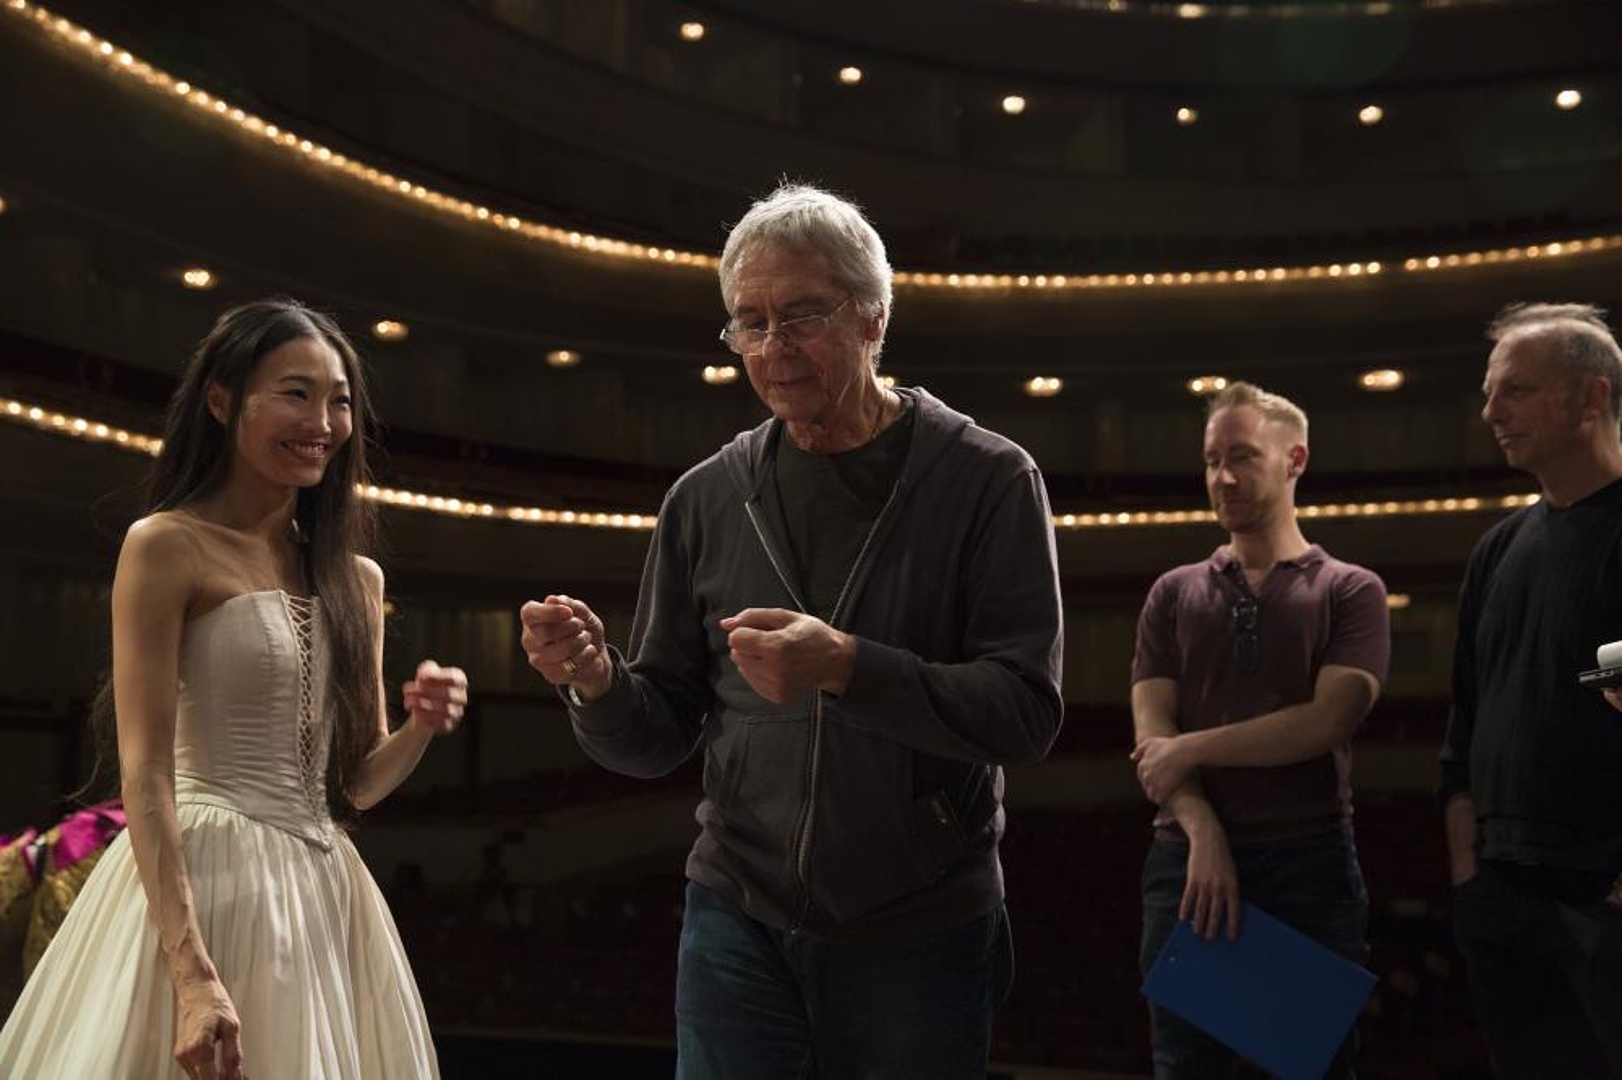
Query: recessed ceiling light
{"x": 1187, "y": 116}
{"x": 1206, "y": 384}
{"x": 1369, "y": 115}
{"x": 850, "y": 75}
{"x": 1043, "y": 386}
{"x": 1381, "y": 379}
{"x": 562, "y": 358}
{"x": 390, "y": 330}
{"x": 720, "y": 375}
{"x": 1397, "y": 601}
{"x": 196, "y": 277}
{"x": 1568, "y": 98}
{"x": 692, "y": 31}
{"x": 1013, "y": 104}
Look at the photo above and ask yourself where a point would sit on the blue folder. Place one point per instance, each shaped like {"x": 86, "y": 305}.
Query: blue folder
{"x": 1274, "y": 995}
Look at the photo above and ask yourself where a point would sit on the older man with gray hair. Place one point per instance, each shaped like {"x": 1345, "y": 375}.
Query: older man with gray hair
{"x": 853, "y": 611}
{"x": 1532, "y": 766}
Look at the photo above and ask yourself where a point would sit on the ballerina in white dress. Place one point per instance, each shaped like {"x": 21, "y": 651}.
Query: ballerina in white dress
{"x": 232, "y": 931}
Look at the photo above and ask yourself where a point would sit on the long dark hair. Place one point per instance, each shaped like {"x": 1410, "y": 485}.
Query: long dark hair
{"x": 335, "y": 524}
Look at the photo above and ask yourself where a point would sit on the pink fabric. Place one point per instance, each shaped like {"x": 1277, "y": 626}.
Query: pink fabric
{"x": 84, "y": 832}
{"x": 24, "y": 837}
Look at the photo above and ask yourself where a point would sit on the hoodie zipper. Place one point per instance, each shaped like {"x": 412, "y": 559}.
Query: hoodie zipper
{"x": 802, "y": 831}
{"x": 771, "y": 556}
{"x": 808, "y": 809}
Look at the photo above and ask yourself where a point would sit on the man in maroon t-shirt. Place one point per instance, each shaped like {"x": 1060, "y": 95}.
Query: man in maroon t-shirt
{"x": 1253, "y": 669}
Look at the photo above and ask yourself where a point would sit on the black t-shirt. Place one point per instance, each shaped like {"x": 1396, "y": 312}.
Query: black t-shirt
{"x": 1541, "y": 755}
{"x": 830, "y": 502}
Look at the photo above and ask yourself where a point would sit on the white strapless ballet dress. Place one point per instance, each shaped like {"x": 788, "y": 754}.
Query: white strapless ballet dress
{"x": 293, "y": 921}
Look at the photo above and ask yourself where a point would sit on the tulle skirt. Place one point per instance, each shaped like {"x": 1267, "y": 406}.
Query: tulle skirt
{"x": 302, "y": 940}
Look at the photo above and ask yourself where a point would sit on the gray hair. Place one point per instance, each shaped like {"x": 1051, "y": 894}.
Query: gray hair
{"x": 807, "y": 219}
{"x": 1274, "y": 407}
{"x": 1587, "y": 346}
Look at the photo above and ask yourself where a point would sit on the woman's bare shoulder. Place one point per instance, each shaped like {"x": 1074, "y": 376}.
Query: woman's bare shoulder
{"x": 371, "y": 573}
{"x": 164, "y": 537}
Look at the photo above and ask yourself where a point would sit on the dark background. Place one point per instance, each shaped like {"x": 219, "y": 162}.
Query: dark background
{"x": 539, "y": 896}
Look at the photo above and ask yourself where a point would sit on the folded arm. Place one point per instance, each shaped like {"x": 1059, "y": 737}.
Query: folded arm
{"x": 1211, "y": 891}
{"x": 1342, "y": 697}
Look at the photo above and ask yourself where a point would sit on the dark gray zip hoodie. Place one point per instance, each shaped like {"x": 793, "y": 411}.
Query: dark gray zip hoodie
{"x": 874, "y": 813}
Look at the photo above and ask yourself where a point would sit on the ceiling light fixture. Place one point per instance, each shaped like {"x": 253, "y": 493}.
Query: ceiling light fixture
{"x": 1381, "y": 379}
{"x": 125, "y": 65}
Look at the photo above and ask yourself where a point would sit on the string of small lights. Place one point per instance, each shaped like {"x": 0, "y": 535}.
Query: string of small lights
{"x": 59, "y": 423}
{"x": 21, "y": 412}
{"x": 1271, "y": 9}
{"x": 76, "y": 427}
{"x": 124, "y": 63}
{"x": 1386, "y": 508}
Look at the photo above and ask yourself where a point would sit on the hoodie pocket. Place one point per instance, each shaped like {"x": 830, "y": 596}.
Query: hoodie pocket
{"x": 865, "y": 849}
{"x": 755, "y": 777}
{"x": 941, "y": 840}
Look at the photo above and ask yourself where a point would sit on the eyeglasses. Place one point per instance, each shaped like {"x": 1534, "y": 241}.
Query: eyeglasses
{"x": 800, "y": 330}
{"x": 1246, "y": 651}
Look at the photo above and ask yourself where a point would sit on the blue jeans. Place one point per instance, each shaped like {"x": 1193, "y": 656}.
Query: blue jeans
{"x": 757, "y": 1003}
{"x": 1313, "y": 884}
{"x": 1544, "y": 954}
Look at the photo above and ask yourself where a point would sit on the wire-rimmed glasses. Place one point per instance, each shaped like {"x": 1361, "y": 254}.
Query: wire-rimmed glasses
{"x": 800, "y": 330}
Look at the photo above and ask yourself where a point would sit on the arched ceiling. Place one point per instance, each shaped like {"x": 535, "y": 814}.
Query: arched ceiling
{"x": 590, "y": 116}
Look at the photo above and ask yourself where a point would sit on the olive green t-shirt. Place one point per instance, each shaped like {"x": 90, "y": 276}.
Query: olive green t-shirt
{"x": 830, "y": 502}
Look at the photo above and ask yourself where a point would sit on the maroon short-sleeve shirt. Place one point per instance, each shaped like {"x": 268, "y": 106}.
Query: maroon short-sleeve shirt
{"x": 1310, "y": 611}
